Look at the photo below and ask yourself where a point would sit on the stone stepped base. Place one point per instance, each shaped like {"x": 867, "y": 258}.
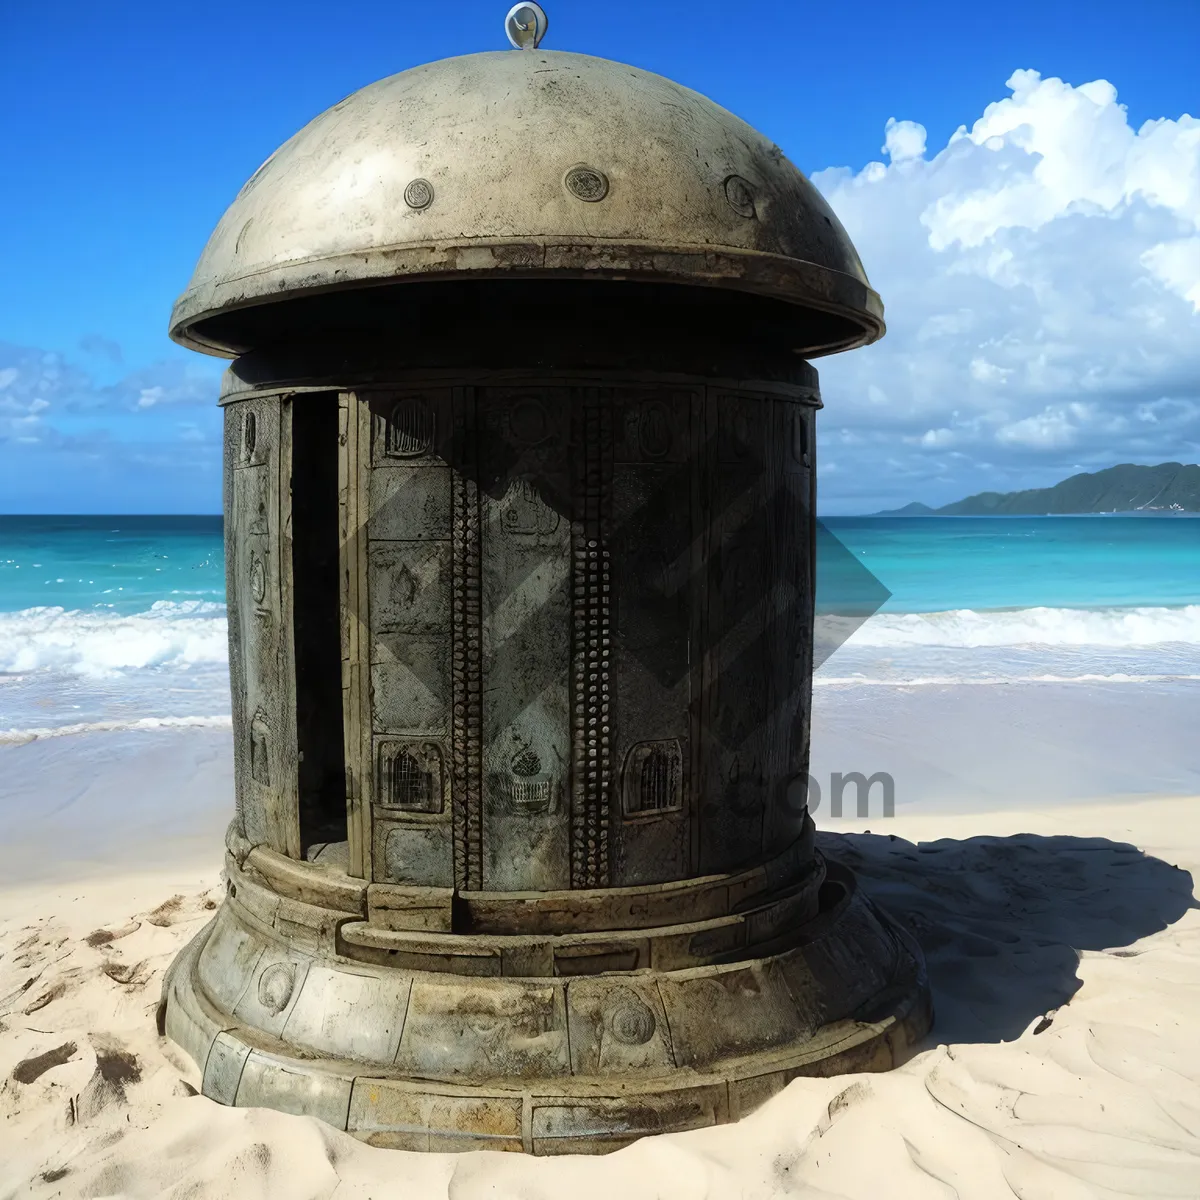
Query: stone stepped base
{"x": 267, "y": 1003}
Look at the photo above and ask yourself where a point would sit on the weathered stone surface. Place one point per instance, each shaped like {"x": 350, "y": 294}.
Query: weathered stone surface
{"x": 484, "y": 1029}
{"x": 287, "y": 877}
{"x": 519, "y": 494}
{"x": 275, "y": 986}
{"x": 609, "y": 1057}
{"x": 414, "y": 908}
{"x": 328, "y": 1014}
{"x": 618, "y": 1026}
{"x": 425, "y": 1117}
{"x": 609, "y": 1123}
{"x": 501, "y": 206}
{"x": 269, "y": 1082}
{"x": 186, "y": 1020}
{"x": 223, "y": 1070}
{"x": 228, "y": 961}
{"x": 730, "y": 1012}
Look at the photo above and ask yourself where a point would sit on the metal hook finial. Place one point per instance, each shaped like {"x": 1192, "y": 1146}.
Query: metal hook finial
{"x": 526, "y": 25}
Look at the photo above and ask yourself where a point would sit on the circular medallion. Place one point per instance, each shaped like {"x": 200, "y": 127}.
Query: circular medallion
{"x": 275, "y": 986}
{"x": 411, "y": 429}
{"x": 529, "y": 421}
{"x": 740, "y": 195}
{"x": 631, "y": 1022}
{"x": 419, "y": 194}
{"x": 654, "y": 430}
{"x": 586, "y": 183}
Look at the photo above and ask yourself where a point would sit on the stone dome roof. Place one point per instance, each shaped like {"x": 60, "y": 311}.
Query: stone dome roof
{"x": 527, "y": 164}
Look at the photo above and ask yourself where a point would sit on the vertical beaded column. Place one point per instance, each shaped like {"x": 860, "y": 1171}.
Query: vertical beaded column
{"x": 467, "y": 655}
{"x": 592, "y": 709}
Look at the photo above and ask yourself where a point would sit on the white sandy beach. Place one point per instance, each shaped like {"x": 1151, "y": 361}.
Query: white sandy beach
{"x": 1064, "y": 950}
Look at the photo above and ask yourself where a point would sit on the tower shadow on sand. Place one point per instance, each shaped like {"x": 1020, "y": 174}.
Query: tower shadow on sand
{"x": 1003, "y": 921}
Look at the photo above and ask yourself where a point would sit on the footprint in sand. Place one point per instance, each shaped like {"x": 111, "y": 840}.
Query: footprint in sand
{"x": 128, "y": 974}
{"x": 116, "y": 1068}
{"x": 102, "y": 937}
{"x": 54, "y": 992}
{"x": 167, "y": 913}
{"x": 34, "y": 1067}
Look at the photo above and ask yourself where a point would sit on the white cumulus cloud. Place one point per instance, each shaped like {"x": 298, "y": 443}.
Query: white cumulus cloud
{"x": 69, "y": 443}
{"x": 1041, "y": 276}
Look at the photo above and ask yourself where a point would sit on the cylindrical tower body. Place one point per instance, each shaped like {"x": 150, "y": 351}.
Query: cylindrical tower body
{"x": 520, "y": 479}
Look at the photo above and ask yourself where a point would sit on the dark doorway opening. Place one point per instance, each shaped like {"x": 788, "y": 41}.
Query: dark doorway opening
{"x": 317, "y": 623}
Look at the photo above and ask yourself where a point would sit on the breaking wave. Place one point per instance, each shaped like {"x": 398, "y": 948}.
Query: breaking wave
{"x": 192, "y": 634}
{"x": 98, "y": 643}
{"x": 820, "y": 680}
{"x": 19, "y": 737}
{"x": 968, "y": 629}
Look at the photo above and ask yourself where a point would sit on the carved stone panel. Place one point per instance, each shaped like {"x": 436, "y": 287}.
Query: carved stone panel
{"x": 525, "y": 547}
{"x": 652, "y": 779}
{"x": 792, "y": 569}
{"x": 411, "y": 776}
{"x": 410, "y": 587}
{"x": 738, "y": 646}
{"x": 756, "y": 701}
{"x": 656, "y": 597}
{"x": 409, "y": 577}
{"x": 586, "y": 596}
{"x": 260, "y": 661}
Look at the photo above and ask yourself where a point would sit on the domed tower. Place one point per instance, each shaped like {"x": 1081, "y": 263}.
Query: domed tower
{"x": 519, "y": 481}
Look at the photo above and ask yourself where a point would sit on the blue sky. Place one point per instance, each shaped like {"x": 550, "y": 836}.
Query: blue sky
{"x": 1041, "y": 272}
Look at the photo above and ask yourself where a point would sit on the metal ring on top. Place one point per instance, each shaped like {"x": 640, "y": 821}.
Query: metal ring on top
{"x": 526, "y": 25}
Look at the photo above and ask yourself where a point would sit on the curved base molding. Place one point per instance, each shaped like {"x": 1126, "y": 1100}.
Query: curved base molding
{"x": 269, "y": 1003}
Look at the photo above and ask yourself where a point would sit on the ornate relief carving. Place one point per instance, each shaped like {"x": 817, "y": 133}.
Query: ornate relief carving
{"x": 249, "y": 435}
{"x": 652, "y": 780}
{"x": 275, "y": 986}
{"x": 411, "y": 776}
{"x": 258, "y": 579}
{"x": 741, "y": 423}
{"x": 419, "y": 194}
{"x": 528, "y": 421}
{"x": 800, "y": 437}
{"x": 629, "y": 1020}
{"x": 655, "y": 434}
{"x": 411, "y": 429}
{"x": 260, "y": 740}
{"x": 404, "y": 588}
{"x": 530, "y": 788}
{"x": 526, "y": 514}
{"x": 740, "y": 196}
{"x": 586, "y": 183}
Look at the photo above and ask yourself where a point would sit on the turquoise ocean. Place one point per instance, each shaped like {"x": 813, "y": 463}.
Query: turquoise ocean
{"x": 119, "y": 622}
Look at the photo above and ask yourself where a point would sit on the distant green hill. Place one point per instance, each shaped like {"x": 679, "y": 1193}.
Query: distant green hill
{"x": 1169, "y": 487}
{"x": 915, "y": 509}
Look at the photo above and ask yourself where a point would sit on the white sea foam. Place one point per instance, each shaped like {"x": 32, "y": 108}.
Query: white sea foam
{"x": 189, "y": 634}
{"x": 1117, "y": 677}
{"x": 99, "y": 643}
{"x": 19, "y": 737}
{"x": 968, "y": 629}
